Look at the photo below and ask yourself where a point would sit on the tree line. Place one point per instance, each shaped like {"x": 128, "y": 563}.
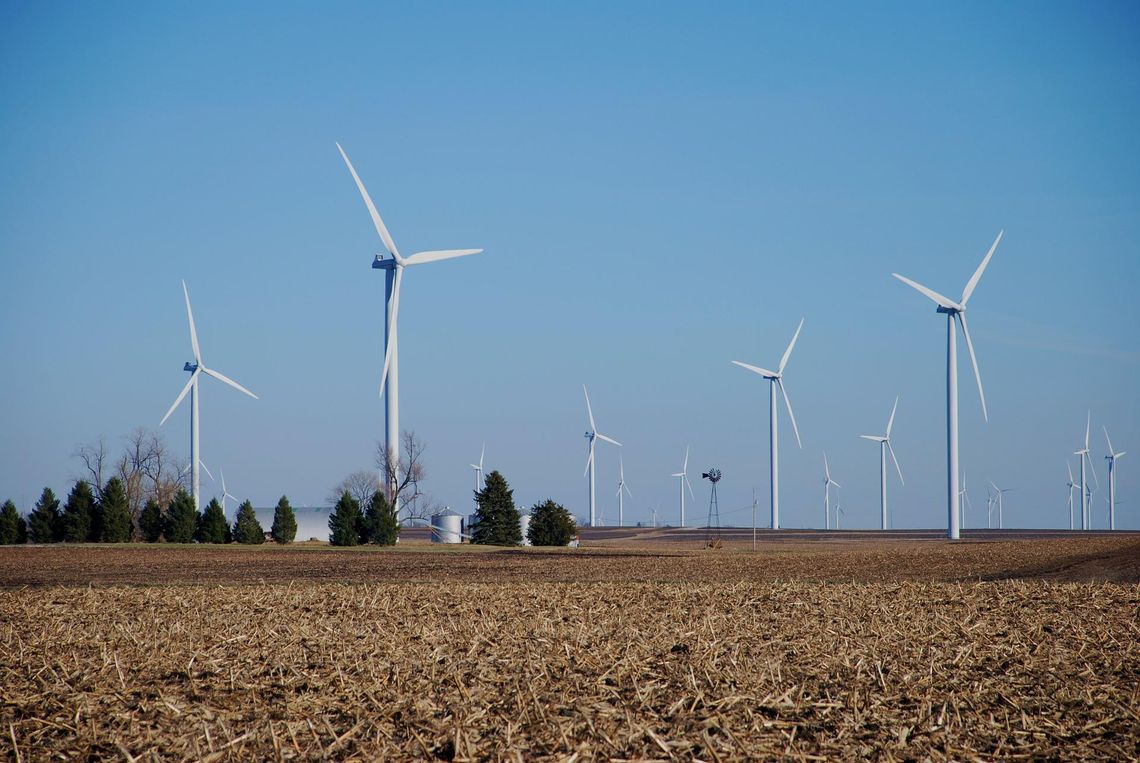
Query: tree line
{"x": 104, "y": 516}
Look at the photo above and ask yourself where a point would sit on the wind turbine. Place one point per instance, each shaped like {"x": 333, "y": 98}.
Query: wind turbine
{"x": 956, "y": 310}
{"x": 593, "y": 436}
{"x": 990, "y": 503}
{"x": 683, "y": 476}
{"x": 827, "y": 483}
{"x": 393, "y": 275}
{"x": 621, "y": 487}
{"x": 965, "y": 497}
{"x": 1084, "y": 456}
{"x": 999, "y": 492}
{"x": 885, "y": 445}
{"x": 196, "y": 369}
{"x": 838, "y": 512}
{"x": 776, "y": 379}
{"x": 479, "y": 473}
{"x": 1111, "y": 458}
{"x": 1071, "y": 485}
{"x": 225, "y": 493}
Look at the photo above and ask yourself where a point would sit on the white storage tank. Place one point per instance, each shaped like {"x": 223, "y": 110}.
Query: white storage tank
{"x": 447, "y": 527}
{"x": 524, "y": 525}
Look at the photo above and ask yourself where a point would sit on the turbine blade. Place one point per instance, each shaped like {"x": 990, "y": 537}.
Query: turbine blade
{"x": 872, "y": 438}
{"x": 1096, "y": 482}
{"x": 193, "y": 330}
{"x": 833, "y": 482}
{"x": 756, "y": 369}
{"x": 1088, "y": 423}
{"x": 944, "y": 301}
{"x": 690, "y": 486}
{"x": 380, "y": 227}
{"x": 685, "y": 466}
{"x": 390, "y": 345}
{"x": 589, "y": 459}
{"x": 420, "y": 258}
{"x": 589, "y": 410}
{"x": 897, "y": 469}
{"x": 826, "y": 471}
{"x": 973, "y": 362}
{"x": 627, "y": 491}
{"x": 791, "y": 344}
{"x": 891, "y": 420}
{"x": 610, "y": 440}
{"x": 482, "y": 452}
{"x": 181, "y": 395}
{"x": 1070, "y": 468}
{"x": 973, "y": 282}
{"x": 791, "y": 415}
{"x": 227, "y": 380}
{"x": 1106, "y": 438}
{"x": 678, "y": 474}
{"x": 203, "y": 465}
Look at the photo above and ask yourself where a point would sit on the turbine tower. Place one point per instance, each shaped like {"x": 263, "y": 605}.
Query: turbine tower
{"x": 393, "y": 268}
{"x": 1085, "y": 457}
{"x": 776, "y": 379}
{"x": 1111, "y": 458}
{"x": 999, "y": 492}
{"x": 885, "y": 445}
{"x": 196, "y": 369}
{"x": 621, "y": 487}
{"x": 593, "y": 436}
{"x": 683, "y": 476}
{"x": 956, "y": 311}
{"x": 225, "y": 493}
{"x": 1072, "y": 485}
{"x": 827, "y": 483}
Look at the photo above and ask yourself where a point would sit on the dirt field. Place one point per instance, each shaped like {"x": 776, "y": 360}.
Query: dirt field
{"x": 926, "y": 649}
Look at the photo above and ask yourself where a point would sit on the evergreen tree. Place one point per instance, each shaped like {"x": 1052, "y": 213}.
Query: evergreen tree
{"x": 181, "y": 519}
{"x": 77, "y": 513}
{"x": 345, "y": 522}
{"x": 13, "y": 529}
{"x": 212, "y": 526}
{"x": 246, "y": 527}
{"x": 150, "y": 521}
{"x": 550, "y": 525}
{"x": 284, "y": 528}
{"x": 115, "y": 513}
{"x": 44, "y": 523}
{"x": 497, "y": 519}
{"x": 380, "y": 525}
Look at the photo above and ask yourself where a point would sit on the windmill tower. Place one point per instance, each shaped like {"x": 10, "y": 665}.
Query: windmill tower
{"x": 712, "y": 527}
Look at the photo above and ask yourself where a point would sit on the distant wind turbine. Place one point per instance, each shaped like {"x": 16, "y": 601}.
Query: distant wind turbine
{"x": 593, "y": 435}
{"x": 479, "y": 474}
{"x": 955, "y": 311}
{"x": 394, "y": 274}
{"x": 621, "y": 487}
{"x": 196, "y": 369}
{"x": 776, "y": 379}
{"x": 683, "y": 476}
{"x": 885, "y": 445}
{"x": 1111, "y": 458}
{"x": 999, "y": 492}
{"x": 827, "y": 483}
{"x": 1086, "y": 518}
{"x": 966, "y": 498}
{"x": 1072, "y": 485}
{"x": 225, "y": 493}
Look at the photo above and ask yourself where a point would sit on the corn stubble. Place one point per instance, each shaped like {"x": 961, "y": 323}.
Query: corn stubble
{"x": 691, "y": 670}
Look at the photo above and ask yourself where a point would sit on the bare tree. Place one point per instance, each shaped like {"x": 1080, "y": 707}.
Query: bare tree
{"x": 94, "y": 458}
{"x": 360, "y": 485}
{"x": 146, "y": 467}
{"x": 402, "y": 476}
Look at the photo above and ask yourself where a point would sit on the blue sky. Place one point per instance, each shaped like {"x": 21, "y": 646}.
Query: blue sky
{"x": 660, "y": 189}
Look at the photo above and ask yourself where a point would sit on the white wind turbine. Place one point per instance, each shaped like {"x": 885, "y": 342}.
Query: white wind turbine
{"x": 838, "y": 513}
{"x": 621, "y": 487}
{"x": 479, "y": 473}
{"x": 196, "y": 369}
{"x": 964, "y": 497}
{"x": 999, "y": 492}
{"x": 956, "y": 311}
{"x": 225, "y": 493}
{"x": 827, "y": 483}
{"x": 593, "y": 436}
{"x": 1072, "y": 485}
{"x": 885, "y": 445}
{"x": 1111, "y": 458}
{"x": 683, "y": 476}
{"x": 1086, "y": 518}
{"x": 776, "y": 379}
{"x": 394, "y": 273}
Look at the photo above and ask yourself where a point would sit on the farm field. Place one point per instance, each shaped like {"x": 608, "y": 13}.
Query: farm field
{"x": 841, "y": 651}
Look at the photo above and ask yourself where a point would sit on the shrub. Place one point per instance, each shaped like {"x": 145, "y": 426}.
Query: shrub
{"x": 550, "y": 525}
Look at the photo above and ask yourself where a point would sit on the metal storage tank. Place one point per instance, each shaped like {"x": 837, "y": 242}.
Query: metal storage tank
{"x": 447, "y": 527}
{"x": 524, "y": 524}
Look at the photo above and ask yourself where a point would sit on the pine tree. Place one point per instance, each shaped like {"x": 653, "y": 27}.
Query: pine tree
{"x": 380, "y": 525}
{"x": 550, "y": 525}
{"x": 13, "y": 529}
{"x": 497, "y": 519}
{"x": 345, "y": 522}
{"x": 212, "y": 526}
{"x": 181, "y": 519}
{"x": 246, "y": 527}
{"x": 115, "y": 513}
{"x": 284, "y": 528}
{"x": 77, "y": 513}
{"x": 44, "y": 523}
{"x": 150, "y": 521}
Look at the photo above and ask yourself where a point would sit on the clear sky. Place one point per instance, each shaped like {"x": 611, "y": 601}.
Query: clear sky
{"x": 660, "y": 188}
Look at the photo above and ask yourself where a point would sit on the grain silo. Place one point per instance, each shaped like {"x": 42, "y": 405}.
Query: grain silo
{"x": 447, "y": 527}
{"x": 524, "y": 525}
